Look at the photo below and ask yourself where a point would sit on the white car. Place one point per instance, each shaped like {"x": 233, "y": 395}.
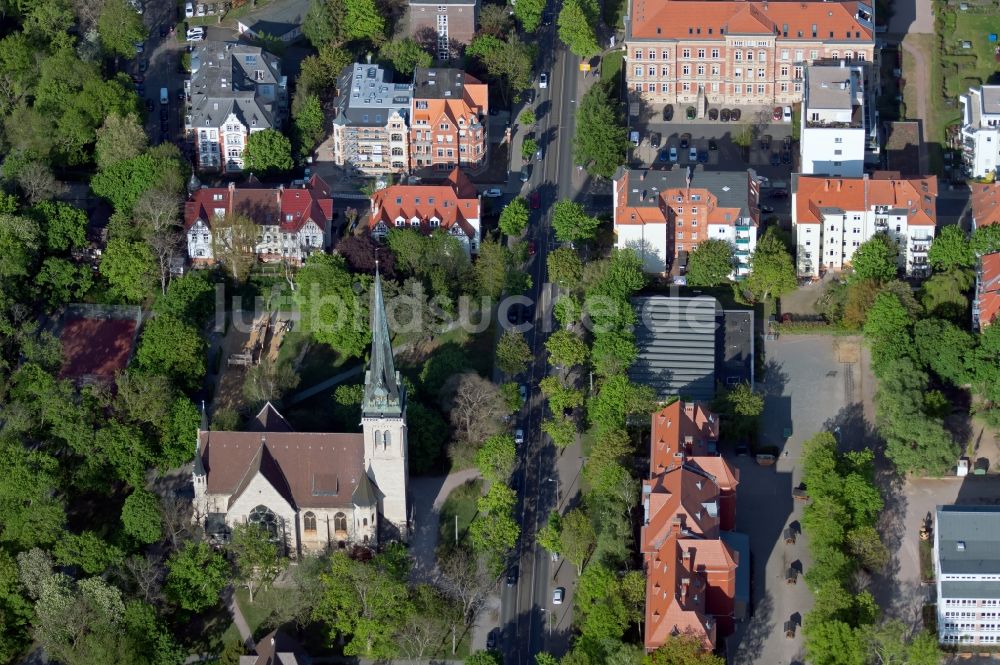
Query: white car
{"x": 543, "y": 80}
{"x": 201, "y": 10}
{"x": 558, "y": 595}
{"x": 139, "y": 47}
{"x": 493, "y": 193}
{"x": 188, "y": 10}
{"x": 786, "y": 114}
{"x": 673, "y": 154}
{"x": 693, "y": 155}
{"x": 519, "y": 437}
{"x": 195, "y": 34}
{"x": 523, "y": 391}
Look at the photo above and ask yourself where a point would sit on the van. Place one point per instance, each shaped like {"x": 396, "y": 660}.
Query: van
{"x": 164, "y": 96}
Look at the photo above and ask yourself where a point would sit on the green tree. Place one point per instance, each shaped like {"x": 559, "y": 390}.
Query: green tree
{"x": 986, "y": 239}
{"x": 141, "y": 516}
{"x": 256, "y": 556}
{"x": 495, "y": 20}
{"x": 174, "y": 349}
{"x": 496, "y": 271}
{"x": 887, "y": 327}
{"x": 446, "y": 361}
{"x": 617, "y": 399}
{"x": 833, "y": 643}
{"x": 772, "y": 273}
{"x": 550, "y": 535}
{"x": 63, "y": 281}
{"x": 711, "y": 263}
{"x": 331, "y": 310}
{"x": 529, "y": 147}
{"x": 508, "y": 63}
{"x": 983, "y": 365}
{"x": 319, "y": 73}
{"x": 196, "y": 575}
{"x": 745, "y": 402}
{"x": 514, "y": 218}
{"x": 268, "y": 152}
{"x": 867, "y": 547}
{"x": 130, "y": 270}
{"x": 325, "y": 23}
{"x": 496, "y": 458}
{"x": 683, "y": 650}
{"x": 483, "y": 658}
{"x": 566, "y": 349}
{"x": 564, "y": 265}
{"x": 30, "y": 500}
{"x": 120, "y": 28}
{"x": 944, "y": 294}
{"x": 601, "y": 140}
{"x": 428, "y": 432}
{"x": 118, "y": 139}
{"x": 405, "y": 55}
{"x": 88, "y": 551}
{"x": 893, "y": 643}
{"x": 951, "y": 249}
{"x": 875, "y": 259}
{"x": 494, "y": 531}
{"x": 577, "y": 21}
{"x": 123, "y": 182}
{"x": 577, "y": 538}
{"x": 513, "y": 353}
{"x": 560, "y": 397}
{"x": 365, "y": 21}
{"x": 571, "y": 223}
{"x": 308, "y": 125}
{"x": 190, "y": 298}
{"x": 613, "y": 352}
{"x": 64, "y": 225}
{"x": 529, "y": 13}
{"x": 527, "y": 116}
{"x": 20, "y": 240}
{"x": 561, "y": 429}
{"x": 545, "y": 658}
{"x": 942, "y": 346}
{"x": 15, "y": 609}
{"x": 512, "y": 396}
{"x": 600, "y": 609}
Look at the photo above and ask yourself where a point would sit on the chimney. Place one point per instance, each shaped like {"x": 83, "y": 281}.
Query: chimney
{"x": 826, "y": 186}
{"x": 642, "y": 176}
{"x": 689, "y": 408}
{"x": 678, "y": 524}
{"x": 232, "y": 195}
{"x": 280, "y": 192}
{"x": 840, "y": 183}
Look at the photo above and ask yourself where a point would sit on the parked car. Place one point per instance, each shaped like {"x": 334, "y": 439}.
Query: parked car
{"x": 200, "y": 11}
{"x": 765, "y": 142}
{"x": 493, "y": 193}
{"x": 779, "y": 193}
{"x": 668, "y": 112}
{"x": 742, "y": 449}
{"x": 786, "y": 156}
{"x": 787, "y": 142}
{"x": 164, "y": 114}
{"x": 139, "y": 47}
{"x": 776, "y": 114}
{"x": 775, "y": 159}
{"x": 539, "y": 154}
{"x": 519, "y": 436}
{"x": 543, "y": 80}
{"x": 188, "y": 10}
{"x": 531, "y": 248}
{"x": 512, "y": 576}
{"x": 536, "y": 200}
{"x": 734, "y": 115}
{"x": 691, "y": 113}
{"x": 140, "y": 89}
{"x": 703, "y": 156}
{"x": 664, "y": 155}
{"x": 713, "y": 114}
{"x": 724, "y": 115}
{"x": 673, "y": 154}
{"x": 786, "y": 114}
{"x": 766, "y": 208}
{"x": 712, "y": 145}
{"x": 137, "y": 78}
{"x": 526, "y": 173}
{"x": 633, "y": 138}
{"x": 491, "y": 639}
{"x": 693, "y": 154}
{"x": 685, "y": 141}
{"x": 558, "y": 594}
{"x": 196, "y": 34}
{"x": 164, "y": 30}
{"x": 654, "y": 139}
{"x": 181, "y": 95}
{"x": 149, "y": 104}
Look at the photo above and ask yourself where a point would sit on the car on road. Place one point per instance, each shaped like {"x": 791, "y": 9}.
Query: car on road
{"x": 149, "y": 104}
{"x": 558, "y": 594}
{"x": 493, "y": 193}
{"x": 137, "y": 78}
{"x": 713, "y": 114}
{"x": 512, "y": 576}
{"x": 536, "y": 200}
{"x": 543, "y": 80}
{"x": 539, "y": 154}
{"x": 519, "y": 437}
{"x": 181, "y": 95}
{"x": 526, "y": 173}
{"x": 195, "y": 34}
{"x": 188, "y": 9}
{"x": 766, "y": 208}
{"x": 531, "y": 248}
{"x": 164, "y": 30}
{"x": 547, "y": 18}
{"x": 673, "y": 154}
{"x": 143, "y": 65}
{"x": 690, "y": 113}
{"x": 786, "y": 114}
{"x": 664, "y": 155}
{"x": 775, "y": 159}
{"x": 685, "y": 141}
{"x": 742, "y": 449}
{"x": 693, "y": 154}
{"x": 724, "y": 115}
{"x": 654, "y": 139}
{"x": 734, "y": 115}
{"x": 765, "y": 142}
{"x": 776, "y": 114}
{"x": 668, "y": 113}
{"x": 703, "y": 156}
{"x": 140, "y": 89}
{"x": 712, "y": 145}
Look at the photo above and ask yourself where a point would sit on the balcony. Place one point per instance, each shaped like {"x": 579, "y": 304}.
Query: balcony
{"x": 742, "y": 240}
{"x": 919, "y": 249}
{"x": 742, "y": 254}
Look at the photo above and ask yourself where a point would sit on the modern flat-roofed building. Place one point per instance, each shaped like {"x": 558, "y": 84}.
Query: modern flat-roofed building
{"x": 447, "y": 121}
{"x": 981, "y": 129}
{"x": 738, "y": 53}
{"x": 370, "y": 121}
{"x": 967, "y": 573}
{"x": 832, "y": 216}
{"x": 839, "y": 131}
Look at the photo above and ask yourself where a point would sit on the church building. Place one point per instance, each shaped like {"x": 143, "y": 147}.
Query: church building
{"x": 314, "y": 491}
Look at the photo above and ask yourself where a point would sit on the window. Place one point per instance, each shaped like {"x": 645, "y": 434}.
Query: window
{"x": 760, "y": 73}
{"x": 665, "y": 71}
{"x": 638, "y": 54}
{"x": 701, "y": 54}
{"x": 784, "y": 54}
{"x": 784, "y": 87}
{"x": 715, "y": 53}
{"x": 686, "y": 54}
{"x": 861, "y": 56}
{"x": 664, "y": 87}
{"x": 737, "y": 73}
{"x": 715, "y": 70}
{"x": 761, "y": 56}
{"x": 680, "y": 235}
{"x": 652, "y": 54}
{"x": 265, "y": 518}
{"x": 715, "y": 86}
{"x": 638, "y": 71}
{"x": 309, "y": 521}
{"x": 664, "y": 54}
{"x": 738, "y": 89}
{"x": 838, "y": 152}
{"x": 686, "y": 70}
{"x": 340, "y": 522}
{"x": 760, "y": 88}
{"x": 701, "y": 70}
{"x": 652, "y": 71}
{"x": 652, "y": 87}
{"x": 738, "y": 56}
{"x": 784, "y": 71}
{"x": 798, "y": 56}
{"x": 813, "y": 54}
{"x": 749, "y": 55}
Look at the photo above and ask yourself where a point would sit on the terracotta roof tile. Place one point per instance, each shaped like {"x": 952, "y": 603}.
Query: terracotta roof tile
{"x": 986, "y": 204}
{"x": 287, "y": 207}
{"x": 671, "y": 428}
{"x": 452, "y": 202}
{"x": 917, "y": 195}
{"x": 989, "y": 290}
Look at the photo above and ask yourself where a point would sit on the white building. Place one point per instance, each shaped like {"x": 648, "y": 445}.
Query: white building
{"x": 236, "y": 89}
{"x": 967, "y": 573}
{"x": 839, "y": 121}
{"x": 370, "y": 124}
{"x": 831, "y": 217}
{"x": 981, "y": 129}
{"x": 665, "y": 215}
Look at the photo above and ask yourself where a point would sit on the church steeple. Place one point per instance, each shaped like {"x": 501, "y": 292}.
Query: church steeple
{"x": 384, "y": 392}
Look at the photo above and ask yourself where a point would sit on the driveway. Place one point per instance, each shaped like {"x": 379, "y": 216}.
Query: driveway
{"x": 912, "y": 17}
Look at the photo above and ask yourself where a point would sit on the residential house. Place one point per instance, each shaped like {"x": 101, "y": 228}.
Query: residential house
{"x": 236, "y": 89}
{"x": 664, "y": 215}
{"x": 981, "y": 129}
{"x": 831, "y": 217}
{"x": 839, "y": 132}
{"x": 443, "y": 24}
{"x": 314, "y": 491}
{"x": 967, "y": 575}
{"x": 447, "y": 121}
{"x": 697, "y": 569}
{"x": 452, "y": 205}
{"x": 370, "y": 121}
{"x": 277, "y": 648}
{"x": 738, "y": 53}
{"x": 985, "y": 212}
{"x": 294, "y": 221}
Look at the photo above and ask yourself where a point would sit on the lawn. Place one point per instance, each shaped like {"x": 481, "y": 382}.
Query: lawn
{"x": 611, "y": 64}
{"x": 461, "y": 503}
{"x": 964, "y": 68}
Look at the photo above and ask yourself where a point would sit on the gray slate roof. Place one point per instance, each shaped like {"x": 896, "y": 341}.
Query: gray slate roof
{"x": 224, "y": 80}
{"x": 991, "y": 99}
{"x": 730, "y": 187}
{"x": 367, "y": 96}
{"x": 968, "y": 539}
{"x": 970, "y": 590}
{"x": 438, "y": 83}
{"x": 677, "y": 345}
{"x": 277, "y": 19}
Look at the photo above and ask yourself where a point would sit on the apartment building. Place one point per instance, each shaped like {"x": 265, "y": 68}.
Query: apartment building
{"x": 967, "y": 574}
{"x": 370, "y": 121}
{"x": 293, "y": 221}
{"x": 451, "y": 205}
{"x": 664, "y": 215}
{"x": 697, "y": 568}
{"x": 236, "y": 89}
{"x": 445, "y": 24}
{"x": 981, "y": 129}
{"x": 839, "y": 132}
{"x": 447, "y": 121}
{"x": 986, "y": 211}
{"x": 831, "y": 217}
{"x": 729, "y": 52}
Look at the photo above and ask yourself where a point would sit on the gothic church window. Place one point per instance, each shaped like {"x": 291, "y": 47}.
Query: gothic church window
{"x": 309, "y": 521}
{"x": 265, "y": 517}
{"x": 340, "y": 522}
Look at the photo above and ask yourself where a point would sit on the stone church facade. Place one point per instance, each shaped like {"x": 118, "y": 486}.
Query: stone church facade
{"x": 314, "y": 491}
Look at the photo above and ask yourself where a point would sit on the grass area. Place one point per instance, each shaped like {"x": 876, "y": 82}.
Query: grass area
{"x": 967, "y": 67}
{"x": 926, "y": 561}
{"x": 262, "y": 613}
{"x": 461, "y": 503}
{"x": 320, "y": 362}
{"x": 611, "y": 65}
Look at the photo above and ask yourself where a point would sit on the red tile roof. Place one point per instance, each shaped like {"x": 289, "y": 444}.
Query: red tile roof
{"x": 986, "y": 204}
{"x": 693, "y": 19}
{"x": 95, "y": 347}
{"x": 288, "y": 207}
{"x": 673, "y": 426}
{"x": 918, "y": 195}
{"x": 454, "y": 201}
{"x": 989, "y": 289}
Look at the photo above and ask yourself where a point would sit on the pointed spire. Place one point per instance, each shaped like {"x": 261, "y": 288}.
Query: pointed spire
{"x": 383, "y": 393}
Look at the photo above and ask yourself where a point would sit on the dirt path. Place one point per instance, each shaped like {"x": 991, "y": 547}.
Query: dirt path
{"x": 429, "y": 494}
{"x": 920, "y": 79}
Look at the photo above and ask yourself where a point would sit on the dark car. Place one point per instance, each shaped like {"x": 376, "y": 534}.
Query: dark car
{"x": 137, "y": 78}
{"x": 691, "y": 113}
{"x": 668, "y": 112}
{"x": 140, "y": 89}
{"x": 164, "y": 30}
{"x": 531, "y": 248}
{"x": 766, "y": 208}
{"x": 546, "y": 18}
{"x": 654, "y": 139}
{"x": 775, "y": 159}
{"x": 512, "y": 576}
{"x": 664, "y": 155}
{"x": 765, "y": 142}
{"x": 724, "y": 115}
{"x": 712, "y": 145}
{"x": 734, "y": 115}
{"x": 164, "y": 127}
{"x": 788, "y": 142}
{"x": 779, "y": 193}
{"x": 786, "y": 156}
{"x": 742, "y": 448}
{"x": 526, "y": 173}
{"x": 685, "y": 141}
{"x": 143, "y": 65}
{"x": 149, "y": 104}
{"x": 491, "y": 639}
{"x": 529, "y": 96}
{"x": 181, "y": 95}
{"x": 713, "y": 114}
{"x": 703, "y": 156}
{"x": 536, "y": 200}
{"x": 164, "y": 114}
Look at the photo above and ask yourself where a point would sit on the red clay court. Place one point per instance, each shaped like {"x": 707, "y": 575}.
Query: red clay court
{"x": 95, "y": 347}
